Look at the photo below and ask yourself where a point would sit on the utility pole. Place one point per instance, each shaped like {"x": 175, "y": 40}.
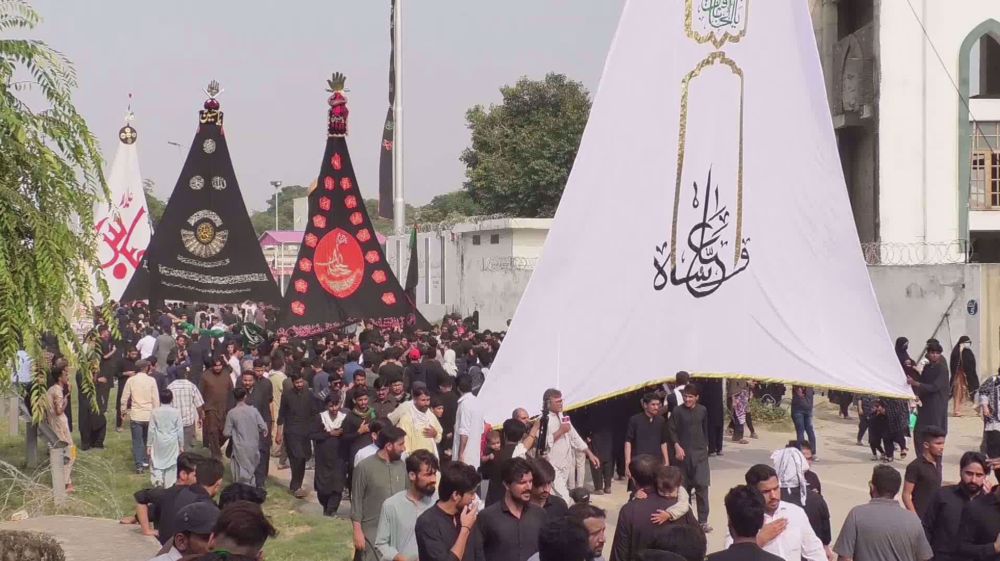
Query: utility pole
{"x": 398, "y": 200}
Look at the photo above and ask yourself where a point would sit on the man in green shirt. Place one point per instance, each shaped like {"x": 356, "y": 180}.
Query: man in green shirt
{"x": 376, "y": 479}
{"x": 396, "y": 540}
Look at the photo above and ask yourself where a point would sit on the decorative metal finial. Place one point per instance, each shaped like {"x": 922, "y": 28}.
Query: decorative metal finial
{"x": 213, "y": 89}
{"x": 336, "y": 83}
{"x": 337, "y": 125}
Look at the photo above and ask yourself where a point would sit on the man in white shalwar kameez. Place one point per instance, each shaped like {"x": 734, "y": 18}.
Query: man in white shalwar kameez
{"x": 164, "y": 441}
{"x": 562, "y": 442}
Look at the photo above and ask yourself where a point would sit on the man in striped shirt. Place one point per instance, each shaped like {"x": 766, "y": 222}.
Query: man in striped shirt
{"x": 187, "y": 398}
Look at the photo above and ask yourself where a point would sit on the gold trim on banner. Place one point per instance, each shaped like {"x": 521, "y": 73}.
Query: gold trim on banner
{"x": 713, "y": 38}
{"x": 717, "y": 57}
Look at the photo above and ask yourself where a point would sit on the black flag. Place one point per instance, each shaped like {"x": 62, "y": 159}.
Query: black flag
{"x": 413, "y": 272}
{"x": 341, "y": 275}
{"x": 204, "y": 248}
{"x": 385, "y": 175}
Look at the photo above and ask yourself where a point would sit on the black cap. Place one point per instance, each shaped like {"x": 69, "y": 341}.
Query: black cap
{"x": 198, "y": 518}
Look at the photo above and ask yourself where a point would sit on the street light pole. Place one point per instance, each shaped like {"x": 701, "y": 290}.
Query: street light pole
{"x": 280, "y": 249}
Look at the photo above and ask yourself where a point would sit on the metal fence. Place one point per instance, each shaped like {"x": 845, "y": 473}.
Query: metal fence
{"x": 916, "y": 253}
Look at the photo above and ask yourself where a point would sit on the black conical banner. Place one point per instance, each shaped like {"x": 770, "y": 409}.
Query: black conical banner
{"x": 341, "y": 274}
{"x": 204, "y": 249}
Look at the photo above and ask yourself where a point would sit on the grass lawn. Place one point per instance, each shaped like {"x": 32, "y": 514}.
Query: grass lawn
{"x": 105, "y": 481}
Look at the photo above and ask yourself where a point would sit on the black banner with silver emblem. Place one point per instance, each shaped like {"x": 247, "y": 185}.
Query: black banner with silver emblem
{"x": 204, "y": 248}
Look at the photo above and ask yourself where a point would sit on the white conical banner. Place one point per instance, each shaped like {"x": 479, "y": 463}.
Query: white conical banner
{"x": 122, "y": 227}
{"x": 705, "y": 225}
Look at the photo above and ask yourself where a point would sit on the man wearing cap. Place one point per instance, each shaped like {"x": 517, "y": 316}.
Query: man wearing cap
{"x": 139, "y": 397}
{"x": 194, "y": 525}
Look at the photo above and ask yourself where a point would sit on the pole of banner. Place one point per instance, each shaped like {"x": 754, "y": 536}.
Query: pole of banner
{"x": 398, "y": 200}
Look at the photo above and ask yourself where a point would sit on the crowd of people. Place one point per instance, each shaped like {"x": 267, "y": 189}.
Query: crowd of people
{"x": 391, "y": 425}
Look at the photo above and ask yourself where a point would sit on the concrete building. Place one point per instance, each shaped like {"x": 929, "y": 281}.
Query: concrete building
{"x": 914, "y": 90}
{"x": 478, "y": 266}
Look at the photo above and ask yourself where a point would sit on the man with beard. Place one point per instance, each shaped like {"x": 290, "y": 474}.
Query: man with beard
{"x": 933, "y": 390}
{"x": 384, "y": 403}
{"x": 448, "y": 529}
{"x": 328, "y": 478}
{"x": 423, "y": 431}
{"x": 376, "y": 479}
{"x": 245, "y": 429}
{"x": 509, "y": 528}
{"x": 943, "y": 518}
{"x": 216, "y": 391}
{"x": 295, "y": 421}
{"x": 396, "y": 537}
{"x": 127, "y": 371}
{"x": 259, "y": 396}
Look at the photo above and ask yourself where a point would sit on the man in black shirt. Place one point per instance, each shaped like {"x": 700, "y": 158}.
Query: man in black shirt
{"x": 509, "y": 528}
{"x": 295, "y": 422}
{"x": 646, "y": 433}
{"x": 943, "y": 518}
{"x": 979, "y": 537}
{"x": 635, "y": 529}
{"x": 446, "y": 531}
{"x": 923, "y": 475}
{"x": 207, "y": 485}
{"x": 933, "y": 390}
{"x": 689, "y": 432}
{"x": 149, "y": 503}
{"x": 542, "y": 476}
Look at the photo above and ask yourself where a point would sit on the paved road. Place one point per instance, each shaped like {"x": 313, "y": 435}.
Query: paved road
{"x": 91, "y": 539}
{"x": 844, "y": 469}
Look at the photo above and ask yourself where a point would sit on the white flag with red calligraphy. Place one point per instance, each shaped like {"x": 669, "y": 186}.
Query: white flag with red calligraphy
{"x": 122, "y": 227}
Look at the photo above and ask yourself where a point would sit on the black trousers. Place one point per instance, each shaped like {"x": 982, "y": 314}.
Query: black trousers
{"x": 715, "y": 438}
{"x": 700, "y": 493}
{"x": 118, "y": 401}
{"x": 603, "y": 475}
{"x": 862, "y": 427}
{"x": 298, "y": 466}
{"x": 264, "y": 464}
{"x": 330, "y": 502}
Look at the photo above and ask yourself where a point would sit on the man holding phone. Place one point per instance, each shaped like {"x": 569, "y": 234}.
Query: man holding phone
{"x": 562, "y": 443}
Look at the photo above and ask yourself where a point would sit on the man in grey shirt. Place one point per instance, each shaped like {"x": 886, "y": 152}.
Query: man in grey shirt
{"x": 245, "y": 427}
{"x": 396, "y": 537}
{"x": 882, "y": 530}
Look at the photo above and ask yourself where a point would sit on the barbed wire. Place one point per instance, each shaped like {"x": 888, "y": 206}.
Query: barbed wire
{"x": 916, "y": 253}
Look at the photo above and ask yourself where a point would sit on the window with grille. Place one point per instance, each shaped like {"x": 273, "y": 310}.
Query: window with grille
{"x": 984, "y": 177}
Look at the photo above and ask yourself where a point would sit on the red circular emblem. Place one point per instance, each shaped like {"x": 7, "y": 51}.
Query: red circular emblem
{"x": 324, "y": 203}
{"x": 389, "y": 298}
{"x": 364, "y": 235}
{"x": 356, "y": 218}
{"x": 301, "y": 286}
{"x": 319, "y": 221}
{"x": 379, "y": 276}
{"x": 350, "y": 201}
{"x": 335, "y": 162}
{"x": 346, "y": 184}
{"x": 372, "y": 256}
{"x": 339, "y": 264}
{"x": 311, "y": 240}
{"x": 328, "y": 183}
{"x": 298, "y": 308}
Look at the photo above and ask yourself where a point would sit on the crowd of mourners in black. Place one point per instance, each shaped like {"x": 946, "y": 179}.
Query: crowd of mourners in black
{"x": 391, "y": 425}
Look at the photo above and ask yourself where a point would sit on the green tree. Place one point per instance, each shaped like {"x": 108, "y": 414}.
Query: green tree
{"x": 264, "y": 220}
{"x": 155, "y": 205}
{"x": 50, "y": 178}
{"x": 523, "y": 149}
{"x": 384, "y": 225}
{"x": 447, "y": 207}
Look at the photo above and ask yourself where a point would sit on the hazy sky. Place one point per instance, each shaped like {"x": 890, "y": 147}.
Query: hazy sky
{"x": 273, "y": 61}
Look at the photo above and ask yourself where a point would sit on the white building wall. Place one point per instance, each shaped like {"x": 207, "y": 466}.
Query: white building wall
{"x": 918, "y": 116}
